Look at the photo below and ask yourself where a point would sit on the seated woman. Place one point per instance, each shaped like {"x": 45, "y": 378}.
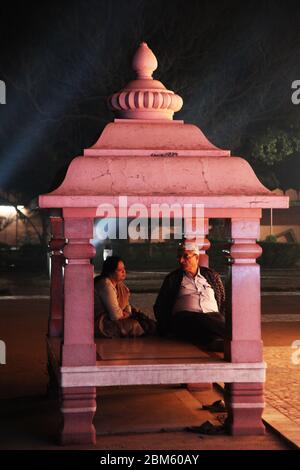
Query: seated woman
{"x": 114, "y": 316}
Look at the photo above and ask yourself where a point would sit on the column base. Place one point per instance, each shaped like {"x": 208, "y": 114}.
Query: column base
{"x": 78, "y": 410}
{"x": 78, "y": 438}
{"x": 245, "y": 422}
{"x": 244, "y": 402}
{"x": 243, "y": 351}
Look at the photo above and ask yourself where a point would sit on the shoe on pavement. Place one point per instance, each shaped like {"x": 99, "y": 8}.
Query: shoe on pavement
{"x": 216, "y": 406}
{"x": 207, "y": 428}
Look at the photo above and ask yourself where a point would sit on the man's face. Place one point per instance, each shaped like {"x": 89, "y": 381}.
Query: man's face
{"x": 188, "y": 260}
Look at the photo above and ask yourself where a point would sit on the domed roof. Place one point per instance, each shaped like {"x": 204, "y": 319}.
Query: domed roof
{"x": 148, "y": 156}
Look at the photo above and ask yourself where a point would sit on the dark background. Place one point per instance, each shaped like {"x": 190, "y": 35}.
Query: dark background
{"x": 232, "y": 62}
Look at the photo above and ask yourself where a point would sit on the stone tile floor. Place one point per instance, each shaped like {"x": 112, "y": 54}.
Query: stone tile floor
{"x": 283, "y": 381}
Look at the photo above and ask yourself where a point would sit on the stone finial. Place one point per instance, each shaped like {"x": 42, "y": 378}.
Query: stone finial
{"x": 145, "y": 98}
{"x": 144, "y": 62}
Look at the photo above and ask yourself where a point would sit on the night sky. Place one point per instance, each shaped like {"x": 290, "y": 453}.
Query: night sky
{"x": 232, "y": 62}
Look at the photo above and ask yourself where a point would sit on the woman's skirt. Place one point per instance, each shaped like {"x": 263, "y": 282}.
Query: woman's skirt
{"x": 138, "y": 324}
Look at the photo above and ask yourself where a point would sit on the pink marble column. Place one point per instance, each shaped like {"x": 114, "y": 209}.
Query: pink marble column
{"x": 56, "y": 245}
{"x": 244, "y": 400}
{"x": 56, "y": 312}
{"x": 78, "y": 403}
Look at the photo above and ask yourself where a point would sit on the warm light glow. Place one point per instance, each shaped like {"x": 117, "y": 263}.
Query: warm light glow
{"x": 7, "y": 211}
{"x": 10, "y": 211}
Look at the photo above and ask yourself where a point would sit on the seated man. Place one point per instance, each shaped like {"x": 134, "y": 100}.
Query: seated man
{"x": 191, "y": 301}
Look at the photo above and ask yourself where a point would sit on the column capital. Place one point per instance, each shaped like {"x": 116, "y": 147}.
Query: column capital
{"x": 79, "y": 228}
{"x": 245, "y": 228}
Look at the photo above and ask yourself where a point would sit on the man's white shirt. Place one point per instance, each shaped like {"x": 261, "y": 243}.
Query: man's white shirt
{"x": 195, "y": 295}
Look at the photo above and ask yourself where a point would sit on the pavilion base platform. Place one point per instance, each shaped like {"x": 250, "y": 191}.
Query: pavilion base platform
{"x": 144, "y": 409}
{"x": 153, "y": 361}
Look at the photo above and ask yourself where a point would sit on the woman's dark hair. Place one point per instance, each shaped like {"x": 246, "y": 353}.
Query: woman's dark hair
{"x": 110, "y": 265}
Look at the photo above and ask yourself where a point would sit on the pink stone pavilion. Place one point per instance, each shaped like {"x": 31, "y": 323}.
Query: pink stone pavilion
{"x": 150, "y": 158}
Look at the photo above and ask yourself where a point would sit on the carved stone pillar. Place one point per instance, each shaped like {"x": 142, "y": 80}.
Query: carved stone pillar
{"x": 56, "y": 245}
{"x": 56, "y": 311}
{"x": 244, "y": 344}
{"x": 78, "y": 403}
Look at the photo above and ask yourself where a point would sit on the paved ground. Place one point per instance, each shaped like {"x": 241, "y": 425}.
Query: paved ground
{"x": 28, "y": 419}
{"x": 283, "y": 381}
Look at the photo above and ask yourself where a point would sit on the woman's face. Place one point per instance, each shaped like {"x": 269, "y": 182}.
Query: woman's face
{"x": 120, "y": 273}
